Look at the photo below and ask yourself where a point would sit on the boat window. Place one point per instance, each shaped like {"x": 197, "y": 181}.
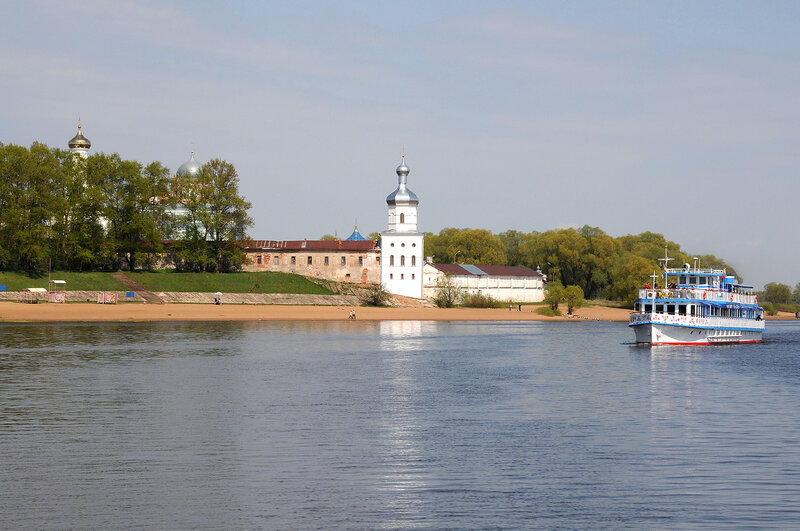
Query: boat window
{"x": 648, "y": 308}
{"x": 691, "y": 309}
{"x": 682, "y": 309}
{"x": 636, "y": 307}
{"x": 692, "y": 280}
{"x": 659, "y": 308}
{"x": 671, "y": 309}
{"x": 682, "y": 279}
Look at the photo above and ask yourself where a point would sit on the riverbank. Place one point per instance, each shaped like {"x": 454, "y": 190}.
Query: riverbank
{"x": 93, "y": 312}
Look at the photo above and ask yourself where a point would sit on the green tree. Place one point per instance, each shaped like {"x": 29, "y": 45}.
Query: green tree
{"x": 77, "y": 236}
{"x": 216, "y": 222}
{"x": 777, "y": 293}
{"x": 602, "y": 251}
{"x": 26, "y": 202}
{"x": 448, "y": 292}
{"x": 560, "y": 254}
{"x": 511, "y": 241}
{"x": 796, "y": 293}
{"x": 134, "y": 200}
{"x": 477, "y": 246}
{"x": 145, "y": 215}
{"x": 554, "y": 295}
{"x": 436, "y": 245}
{"x": 329, "y": 238}
{"x": 630, "y": 273}
{"x": 573, "y": 296}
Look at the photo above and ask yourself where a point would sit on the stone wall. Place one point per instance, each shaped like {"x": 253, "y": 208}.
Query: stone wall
{"x": 358, "y": 267}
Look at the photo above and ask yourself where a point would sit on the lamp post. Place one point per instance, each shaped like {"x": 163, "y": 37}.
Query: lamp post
{"x": 454, "y": 256}
{"x": 550, "y": 270}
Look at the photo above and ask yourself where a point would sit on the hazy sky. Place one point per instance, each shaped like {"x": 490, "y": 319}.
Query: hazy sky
{"x": 678, "y": 117}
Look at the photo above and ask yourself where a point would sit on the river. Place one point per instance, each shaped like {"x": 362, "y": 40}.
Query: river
{"x": 366, "y": 425}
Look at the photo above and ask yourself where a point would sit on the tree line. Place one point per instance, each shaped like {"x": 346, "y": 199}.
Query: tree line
{"x": 60, "y": 211}
{"x": 780, "y": 294}
{"x": 604, "y": 267}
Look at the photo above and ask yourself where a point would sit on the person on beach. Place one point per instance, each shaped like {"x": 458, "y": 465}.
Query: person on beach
{"x": 352, "y": 315}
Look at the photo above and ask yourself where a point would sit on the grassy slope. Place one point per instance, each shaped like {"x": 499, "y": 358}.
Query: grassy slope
{"x": 75, "y": 281}
{"x": 263, "y": 282}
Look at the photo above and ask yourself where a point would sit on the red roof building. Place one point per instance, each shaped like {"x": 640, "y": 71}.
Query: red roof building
{"x": 339, "y": 260}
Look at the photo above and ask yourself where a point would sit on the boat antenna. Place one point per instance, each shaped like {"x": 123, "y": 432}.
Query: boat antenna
{"x": 666, "y": 258}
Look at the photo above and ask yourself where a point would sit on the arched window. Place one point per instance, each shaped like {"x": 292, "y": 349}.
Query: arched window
{"x": 391, "y": 260}
{"x": 403, "y": 260}
{"x": 402, "y": 218}
{"x": 413, "y": 260}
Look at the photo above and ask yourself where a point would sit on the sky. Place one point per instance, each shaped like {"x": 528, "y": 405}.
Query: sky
{"x": 681, "y": 118}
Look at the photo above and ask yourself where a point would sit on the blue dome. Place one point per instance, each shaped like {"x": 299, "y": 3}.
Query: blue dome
{"x": 355, "y": 237}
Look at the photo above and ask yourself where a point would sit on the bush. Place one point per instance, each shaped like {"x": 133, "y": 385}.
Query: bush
{"x": 547, "y": 311}
{"x": 375, "y": 296}
{"x": 769, "y": 308}
{"x": 479, "y": 300}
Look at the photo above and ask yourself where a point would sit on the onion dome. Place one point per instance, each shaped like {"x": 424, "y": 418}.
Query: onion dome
{"x": 79, "y": 141}
{"x": 190, "y": 167}
{"x": 402, "y": 195}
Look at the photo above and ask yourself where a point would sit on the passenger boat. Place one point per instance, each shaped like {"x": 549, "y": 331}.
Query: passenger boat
{"x": 697, "y": 307}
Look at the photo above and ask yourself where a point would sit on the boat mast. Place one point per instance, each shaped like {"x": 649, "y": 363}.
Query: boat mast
{"x": 666, "y": 260}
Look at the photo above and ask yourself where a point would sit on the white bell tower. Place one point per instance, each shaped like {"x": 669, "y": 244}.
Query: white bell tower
{"x": 402, "y": 253}
{"x": 79, "y": 145}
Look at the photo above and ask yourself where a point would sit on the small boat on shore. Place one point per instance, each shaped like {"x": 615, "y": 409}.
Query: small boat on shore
{"x": 697, "y": 306}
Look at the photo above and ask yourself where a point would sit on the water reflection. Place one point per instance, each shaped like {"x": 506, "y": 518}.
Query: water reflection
{"x": 404, "y": 476}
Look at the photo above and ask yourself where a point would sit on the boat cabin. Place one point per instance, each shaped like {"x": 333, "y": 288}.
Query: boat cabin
{"x": 699, "y": 292}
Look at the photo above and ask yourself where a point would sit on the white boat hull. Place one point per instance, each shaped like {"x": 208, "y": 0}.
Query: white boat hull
{"x": 668, "y": 334}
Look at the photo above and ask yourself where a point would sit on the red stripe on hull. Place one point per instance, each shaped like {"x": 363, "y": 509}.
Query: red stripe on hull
{"x": 707, "y": 342}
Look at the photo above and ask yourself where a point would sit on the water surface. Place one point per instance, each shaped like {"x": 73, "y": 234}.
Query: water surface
{"x": 394, "y": 425}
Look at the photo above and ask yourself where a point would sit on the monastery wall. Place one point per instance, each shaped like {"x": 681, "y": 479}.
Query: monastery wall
{"x": 341, "y": 266}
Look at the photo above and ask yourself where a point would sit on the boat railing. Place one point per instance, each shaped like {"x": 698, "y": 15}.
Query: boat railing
{"x": 692, "y": 320}
{"x": 698, "y": 294}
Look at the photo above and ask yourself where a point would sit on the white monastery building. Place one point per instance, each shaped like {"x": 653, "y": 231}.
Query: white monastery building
{"x": 401, "y": 244}
{"x": 396, "y": 260}
{"x": 503, "y": 283}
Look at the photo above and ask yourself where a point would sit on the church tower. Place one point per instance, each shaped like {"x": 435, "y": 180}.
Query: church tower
{"x": 401, "y": 245}
{"x": 79, "y": 145}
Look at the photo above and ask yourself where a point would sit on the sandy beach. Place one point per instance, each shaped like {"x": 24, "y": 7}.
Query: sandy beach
{"x": 92, "y": 312}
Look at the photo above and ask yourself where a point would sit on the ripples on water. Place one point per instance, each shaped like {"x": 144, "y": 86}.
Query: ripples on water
{"x": 394, "y": 424}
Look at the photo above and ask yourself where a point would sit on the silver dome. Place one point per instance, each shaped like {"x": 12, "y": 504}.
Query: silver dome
{"x": 79, "y": 141}
{"x": 402, "y": 195}
{"x": 190, "y": 167}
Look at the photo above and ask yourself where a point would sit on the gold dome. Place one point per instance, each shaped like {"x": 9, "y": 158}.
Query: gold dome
{"x": 79, "y": 141}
